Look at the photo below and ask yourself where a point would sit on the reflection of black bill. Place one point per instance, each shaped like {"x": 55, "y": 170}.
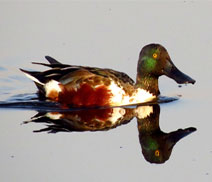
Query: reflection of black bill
{"x": 174, "y": 73}
{"x": 179, "y": 134}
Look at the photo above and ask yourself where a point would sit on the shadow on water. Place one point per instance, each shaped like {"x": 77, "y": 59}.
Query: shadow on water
{"x": 156, "y": 145}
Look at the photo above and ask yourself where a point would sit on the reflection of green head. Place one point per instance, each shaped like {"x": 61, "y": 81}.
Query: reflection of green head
{"x": 157, "y": 146}
{"x": 151, "y": 144}
{"x": 151, "y": 151}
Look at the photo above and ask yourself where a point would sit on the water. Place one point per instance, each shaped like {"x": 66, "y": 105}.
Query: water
{"x": 104, "y": 35}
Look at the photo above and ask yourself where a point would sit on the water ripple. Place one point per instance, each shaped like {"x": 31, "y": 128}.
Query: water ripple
{"x": 32, "y": 102}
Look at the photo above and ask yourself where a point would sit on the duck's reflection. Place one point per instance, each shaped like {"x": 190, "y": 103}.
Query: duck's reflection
{"x": 83, "y": 120}
{"x": 156, "y": 145}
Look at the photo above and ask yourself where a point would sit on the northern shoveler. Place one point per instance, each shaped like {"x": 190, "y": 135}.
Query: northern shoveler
{"x": 79, "y": 86}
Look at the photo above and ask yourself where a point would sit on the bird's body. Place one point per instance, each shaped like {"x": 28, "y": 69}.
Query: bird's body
{"x": 79, "y": 86}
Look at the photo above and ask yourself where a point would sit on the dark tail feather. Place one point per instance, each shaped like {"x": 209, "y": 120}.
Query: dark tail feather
{"x": 34, "y": 76}
{"x": 44, "y": 64}
{"x": 52, "y": 60}
{"x": 53, "y": 63}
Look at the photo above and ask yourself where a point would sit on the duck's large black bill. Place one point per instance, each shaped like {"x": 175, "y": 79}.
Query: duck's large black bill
{"x": 174, "y": 73}
{"x": 175, "y": 136}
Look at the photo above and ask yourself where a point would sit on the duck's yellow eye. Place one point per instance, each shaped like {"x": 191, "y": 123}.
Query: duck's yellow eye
{"x": 155, "y": 55}
{"x": 157, "y": 153}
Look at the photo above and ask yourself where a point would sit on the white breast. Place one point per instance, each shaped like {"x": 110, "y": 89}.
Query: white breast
{"x": 120, "y": 97}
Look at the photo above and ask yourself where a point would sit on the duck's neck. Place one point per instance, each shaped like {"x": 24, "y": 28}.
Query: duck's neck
{"x": 148, "y": 82}
{"x": 150, "y": 123}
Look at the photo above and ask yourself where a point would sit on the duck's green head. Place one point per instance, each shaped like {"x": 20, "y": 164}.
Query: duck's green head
{"x": 154, "y": 61}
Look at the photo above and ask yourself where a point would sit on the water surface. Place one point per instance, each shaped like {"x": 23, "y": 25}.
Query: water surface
{"x": 105, "y": 35}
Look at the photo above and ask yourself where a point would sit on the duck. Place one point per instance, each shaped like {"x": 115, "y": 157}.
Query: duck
{"x": 84, "y": 86}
